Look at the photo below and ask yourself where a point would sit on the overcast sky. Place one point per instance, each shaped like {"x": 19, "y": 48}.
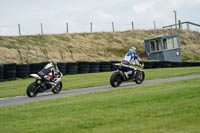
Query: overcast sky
{"x": 79, "y": 13}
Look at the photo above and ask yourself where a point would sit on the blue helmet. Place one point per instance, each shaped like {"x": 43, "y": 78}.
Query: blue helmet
{"x": 132, "y": 49}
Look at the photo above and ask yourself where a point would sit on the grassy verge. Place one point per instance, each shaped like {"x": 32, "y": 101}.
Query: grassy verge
{"x": 18, "y": 87}
{"x": 164, "y": 107}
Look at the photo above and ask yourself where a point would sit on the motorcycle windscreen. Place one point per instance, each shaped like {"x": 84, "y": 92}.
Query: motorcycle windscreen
{"x": 46, "y": 70}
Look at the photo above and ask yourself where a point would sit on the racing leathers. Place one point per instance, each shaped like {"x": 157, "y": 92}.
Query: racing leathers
{"x": 51, "y": 73}
{"x": 128, "y": 61}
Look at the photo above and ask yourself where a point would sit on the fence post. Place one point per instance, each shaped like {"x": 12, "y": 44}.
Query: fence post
{"x": 188, "y": 26}
{"x": 132, "y": 25}
{"x": 179, "y": 24}
{"x": 67, "y": 28}
{"x": 154, "y": 24}
{"x": 19, "y": 29}
{"x": 41, "y": 28}
{"x": 113, "y": 28}
{"x": 91, "y": 27}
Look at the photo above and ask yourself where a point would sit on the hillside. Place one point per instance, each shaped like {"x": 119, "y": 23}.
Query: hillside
{"x": 101, "y": 46}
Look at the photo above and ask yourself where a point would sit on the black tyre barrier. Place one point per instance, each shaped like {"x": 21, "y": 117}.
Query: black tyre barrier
{"x": 187, "y": 64}
{"x": 113, "y": 67}
{"x": 62, "y": 67}
{"x": 72, "y": 68}
{"x": 166, "y": 64}
{"x": 105, "y": 66}
{"x": 35, "y": 68}
{"x": 148, "y": 65}
{"x": 1, "y": 73}
{"x": 196, "y": 64}
{"x": 156, "y": 65}
{"x": 83, "y": 67}
{"x": 94, "y": 67}
{"x": 10, "y": 71}
{"x": 23, "y": 70}
{"x": 176, "y": 64}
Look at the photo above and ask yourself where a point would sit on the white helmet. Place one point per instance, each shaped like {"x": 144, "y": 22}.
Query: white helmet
{"x": 132, "y": 49}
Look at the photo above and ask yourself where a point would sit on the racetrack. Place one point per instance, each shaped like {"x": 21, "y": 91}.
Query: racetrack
{"x": 49, "y": 95}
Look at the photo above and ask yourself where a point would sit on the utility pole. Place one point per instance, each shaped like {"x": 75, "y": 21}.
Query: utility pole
{"x": 175, "y": 19}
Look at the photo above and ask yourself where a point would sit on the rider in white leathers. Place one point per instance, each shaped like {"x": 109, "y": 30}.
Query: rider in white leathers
{"x": 129, "y": 59}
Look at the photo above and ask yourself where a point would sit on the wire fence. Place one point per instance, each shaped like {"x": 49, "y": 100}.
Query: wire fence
{"x": 59, "y": 28}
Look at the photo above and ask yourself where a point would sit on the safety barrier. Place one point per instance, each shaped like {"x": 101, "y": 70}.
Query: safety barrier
{"x": 13, "y": 71}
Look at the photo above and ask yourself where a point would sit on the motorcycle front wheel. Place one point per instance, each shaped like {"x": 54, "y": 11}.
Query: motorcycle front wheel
{"x": 139, "y": 78}
{"x": 30, "y": 91}
{"x": 57, "y": 88}
{"x": 115, "y": 79}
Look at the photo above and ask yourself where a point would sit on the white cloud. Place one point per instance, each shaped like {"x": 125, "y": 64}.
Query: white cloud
{"x": 105, "y": 16}
{"x": 143, "y": 7}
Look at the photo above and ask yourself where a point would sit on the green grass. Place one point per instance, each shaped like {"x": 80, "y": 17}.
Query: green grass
{"x": 18, "y": 87}
{"x": 172, "y": 107}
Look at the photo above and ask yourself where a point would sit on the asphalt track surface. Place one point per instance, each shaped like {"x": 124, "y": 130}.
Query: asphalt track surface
{"x": 50, "y": 95}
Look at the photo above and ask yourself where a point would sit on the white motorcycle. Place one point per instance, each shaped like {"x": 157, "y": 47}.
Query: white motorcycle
{"x": 42, "y": 82}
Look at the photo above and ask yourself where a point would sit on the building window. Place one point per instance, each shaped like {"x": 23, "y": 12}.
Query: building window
{"x": 170, "y": 43}
{"x": 175, "y": 42}
{"x": 165, "y": 44}
{"x": 158, "y": 45}
{"x": 153, "y": 48}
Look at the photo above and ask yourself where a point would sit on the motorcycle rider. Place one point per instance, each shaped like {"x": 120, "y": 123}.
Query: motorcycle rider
{"x": 51, "y": 72}
{"x": 131, "y": 59}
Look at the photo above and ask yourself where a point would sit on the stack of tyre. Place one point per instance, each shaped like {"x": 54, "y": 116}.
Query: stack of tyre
{"x": 35, "y": 68}
{"x": 72, "y": 68}
{"x": 105, "y": 66}
{"x": 166, "y": 64}
{"x": 148, "y": 65}
{"x": 94, "y": 67}
{"x": 83, "y": 67}
{"x": 1, "y": 72}
{"x": 10, "y": 71}
{"x": 62, "y": 67}
{"x": 113, "y": 67}
{"x": 23, "y": 70}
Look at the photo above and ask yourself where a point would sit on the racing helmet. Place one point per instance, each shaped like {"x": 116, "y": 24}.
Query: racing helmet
{"x": 132, "y": 49}
{"x": 54, "y": 63}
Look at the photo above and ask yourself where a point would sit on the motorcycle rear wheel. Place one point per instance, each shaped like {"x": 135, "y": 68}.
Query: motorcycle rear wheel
{"x": 57, "y": 88}
{"x": 30, "y": 91}
{"x": 115, "y": 79}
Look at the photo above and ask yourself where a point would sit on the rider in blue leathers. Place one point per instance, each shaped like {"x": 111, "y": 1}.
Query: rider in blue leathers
{"x": 129, "y": 59}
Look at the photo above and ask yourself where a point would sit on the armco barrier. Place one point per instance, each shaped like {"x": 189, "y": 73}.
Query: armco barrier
{"x": 11, "y": 71}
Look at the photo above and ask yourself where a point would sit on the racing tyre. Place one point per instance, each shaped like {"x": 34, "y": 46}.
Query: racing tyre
{"x": 31, "y": 90}
{"x": 116, "y": 79}
{"x": 58, "y": 88}
{"x": 139, "y": 78}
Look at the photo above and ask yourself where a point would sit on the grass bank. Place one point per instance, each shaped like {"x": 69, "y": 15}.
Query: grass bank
{"x": 100, "y": 46}
{"x": 18, "y": 87}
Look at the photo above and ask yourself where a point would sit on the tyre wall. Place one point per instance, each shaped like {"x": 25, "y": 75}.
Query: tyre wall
{"x": 13, "y": 71}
